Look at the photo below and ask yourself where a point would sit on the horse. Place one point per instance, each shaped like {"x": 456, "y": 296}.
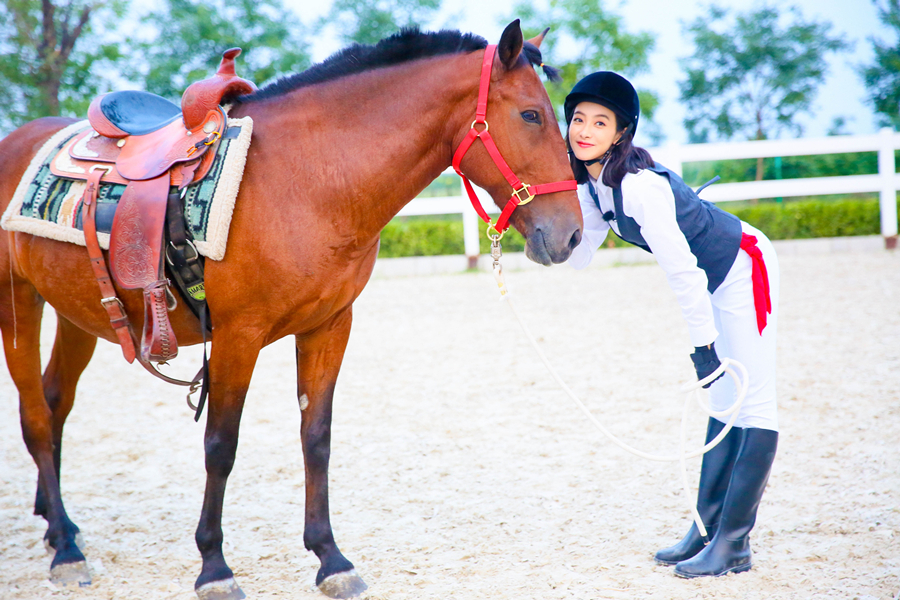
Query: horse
{"x": 336, "y": 152}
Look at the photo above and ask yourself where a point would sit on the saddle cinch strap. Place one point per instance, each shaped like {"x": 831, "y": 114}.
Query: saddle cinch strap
{"x": 114, "y": 308}
{"x": 132, "y": 268}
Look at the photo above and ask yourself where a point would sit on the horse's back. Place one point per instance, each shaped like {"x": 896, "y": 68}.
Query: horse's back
{"x": 19, "y": 147}
{"x": 60, "y": 272}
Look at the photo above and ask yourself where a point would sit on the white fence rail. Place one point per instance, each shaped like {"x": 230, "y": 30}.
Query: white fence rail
{"x": 886, "y": 182}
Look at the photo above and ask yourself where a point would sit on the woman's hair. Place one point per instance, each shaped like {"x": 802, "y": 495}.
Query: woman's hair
{"x": 624, "y": 157}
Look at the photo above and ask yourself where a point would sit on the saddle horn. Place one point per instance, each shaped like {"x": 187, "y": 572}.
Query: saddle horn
{"x": 225, "y": 83}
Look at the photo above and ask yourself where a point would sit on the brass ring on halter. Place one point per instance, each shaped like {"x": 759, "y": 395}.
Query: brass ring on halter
{"x": 486, "y": 126}
{"x": 523, "y": 190}
{"x": 498, "y": 234}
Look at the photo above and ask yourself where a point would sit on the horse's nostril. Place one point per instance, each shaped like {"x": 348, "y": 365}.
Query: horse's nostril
{"x": 575, "y": 240}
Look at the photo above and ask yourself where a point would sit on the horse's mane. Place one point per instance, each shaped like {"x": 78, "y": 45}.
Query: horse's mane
{"x": 406, "y": 45}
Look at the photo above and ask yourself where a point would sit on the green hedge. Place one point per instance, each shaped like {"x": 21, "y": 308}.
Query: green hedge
{"x": 813, "y": 218}
{"x": 797, "y": 219}
{"x": 419, "y": 237}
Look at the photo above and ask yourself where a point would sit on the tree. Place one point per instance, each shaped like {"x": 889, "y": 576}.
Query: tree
{"x": 368, "y": 21}
{"x": 751, "y": 77}
{"x": 882, "y": 78}
{"x": 48, "y": 54}
{"x": 187, "y": 38}
{"x": 600, "y": 43}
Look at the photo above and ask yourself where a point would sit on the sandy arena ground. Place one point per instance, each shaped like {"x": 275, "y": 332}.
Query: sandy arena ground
{"x": 460, "y": 470}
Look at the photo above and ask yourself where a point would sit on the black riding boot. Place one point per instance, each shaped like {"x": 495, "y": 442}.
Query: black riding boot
{"x": 729, "y": 551}
{"x": 714, "y": 476}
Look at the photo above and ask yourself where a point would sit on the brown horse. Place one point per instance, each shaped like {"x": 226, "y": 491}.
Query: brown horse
{"x": 337, "y": 151}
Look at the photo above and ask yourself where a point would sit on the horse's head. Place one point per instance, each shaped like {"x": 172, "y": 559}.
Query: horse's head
{"x": 523, "y": 124}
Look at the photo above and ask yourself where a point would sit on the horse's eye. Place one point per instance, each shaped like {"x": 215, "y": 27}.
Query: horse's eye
{"x": 531, "y": 116}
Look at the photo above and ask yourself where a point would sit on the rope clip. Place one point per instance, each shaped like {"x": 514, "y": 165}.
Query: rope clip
{"x": 496, "y": 253}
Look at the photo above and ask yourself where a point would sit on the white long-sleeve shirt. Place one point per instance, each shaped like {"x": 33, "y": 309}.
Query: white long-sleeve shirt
{"x": 648, "y": 199}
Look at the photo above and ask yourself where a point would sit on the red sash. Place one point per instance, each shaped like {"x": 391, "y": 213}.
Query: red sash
{"x": 761, "y": 298}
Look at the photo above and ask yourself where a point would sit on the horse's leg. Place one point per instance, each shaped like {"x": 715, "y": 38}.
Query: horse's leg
{"x": 20, "y": 320}
{"x": 72, "y": 351}
{"x": 319, "y": 357}
{"x": 230, "y": 369}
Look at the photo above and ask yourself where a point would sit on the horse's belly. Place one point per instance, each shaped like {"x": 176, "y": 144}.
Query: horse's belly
{"x": 62, "y": 274}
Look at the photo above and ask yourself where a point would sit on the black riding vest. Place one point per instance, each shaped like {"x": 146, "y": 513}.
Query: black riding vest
{"x": 713, "y": 235}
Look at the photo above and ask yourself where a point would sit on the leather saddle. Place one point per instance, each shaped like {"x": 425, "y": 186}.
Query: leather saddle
{"x": 152, "y": 146}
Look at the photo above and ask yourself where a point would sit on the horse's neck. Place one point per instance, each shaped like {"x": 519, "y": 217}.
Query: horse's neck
{"x": 370, "y": 143}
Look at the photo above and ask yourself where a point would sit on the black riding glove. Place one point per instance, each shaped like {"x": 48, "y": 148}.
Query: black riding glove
{"x": 705, "y": 362}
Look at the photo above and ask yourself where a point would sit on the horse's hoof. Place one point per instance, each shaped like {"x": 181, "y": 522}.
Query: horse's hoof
{"x": 226, "y": 589}
{"x": 74, "y": 574}
{"x": 79, "y": 541}
{"x": 343, "y": 585}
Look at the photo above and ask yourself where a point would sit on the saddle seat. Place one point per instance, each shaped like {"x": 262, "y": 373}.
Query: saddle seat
{"x": 131, "y": 112}
{"x": 150, "y": 144}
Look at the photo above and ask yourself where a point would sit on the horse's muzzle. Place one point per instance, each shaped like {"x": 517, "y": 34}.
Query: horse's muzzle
{"x": 541, "y": 250}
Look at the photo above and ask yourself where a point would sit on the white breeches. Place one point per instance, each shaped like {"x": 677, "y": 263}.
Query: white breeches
{"x": 739, "y": 338}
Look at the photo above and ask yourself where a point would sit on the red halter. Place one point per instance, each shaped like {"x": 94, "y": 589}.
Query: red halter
{"x": 522, "y": 192}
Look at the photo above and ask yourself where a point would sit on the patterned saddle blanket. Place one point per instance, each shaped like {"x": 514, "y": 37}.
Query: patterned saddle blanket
{"x": 49, "y": 205}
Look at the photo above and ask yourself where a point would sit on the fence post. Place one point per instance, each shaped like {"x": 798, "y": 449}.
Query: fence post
{"x": 670, "y": 157}
{"x": 888, "y": 192}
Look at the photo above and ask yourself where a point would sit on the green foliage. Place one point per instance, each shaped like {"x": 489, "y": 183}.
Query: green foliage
{"x": 418, "y": 237}
{"x": 189, "y": 36}
{"x": 445, "y": 185}
{"x": 798, "y": 219}
{"x": 812, "y": 218}
{"x": 368, "y": 21}
{"x": 53, "y": 55}
{"x": 434, "y": 236}
{"x": 882, "y": 78}
{"x": 750, "y": 77}
{"x": 600, "y": 41}
{"x": 512, "y": 241}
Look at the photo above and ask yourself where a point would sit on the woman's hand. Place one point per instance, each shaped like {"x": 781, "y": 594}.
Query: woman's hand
{"x": 705, "y": 362}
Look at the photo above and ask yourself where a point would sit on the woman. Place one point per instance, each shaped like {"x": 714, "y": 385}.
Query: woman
{"x": 717, "y": 266}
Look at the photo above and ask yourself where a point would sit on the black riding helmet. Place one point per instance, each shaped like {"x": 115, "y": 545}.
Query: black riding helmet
{"x": 609, "y": 89}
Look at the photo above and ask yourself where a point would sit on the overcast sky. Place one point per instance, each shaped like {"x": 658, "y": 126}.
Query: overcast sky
{"x": 841, "y": 95}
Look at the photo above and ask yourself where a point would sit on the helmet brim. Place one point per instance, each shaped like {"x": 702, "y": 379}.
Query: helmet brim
{"x": 573, "y": 100}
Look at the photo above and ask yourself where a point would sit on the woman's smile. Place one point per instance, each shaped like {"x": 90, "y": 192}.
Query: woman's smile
{"x": 592, "y": 132}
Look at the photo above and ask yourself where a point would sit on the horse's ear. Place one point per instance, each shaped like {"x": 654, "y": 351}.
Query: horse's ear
{"x": 511, "y": 44}
{"x": 536, "y": 40}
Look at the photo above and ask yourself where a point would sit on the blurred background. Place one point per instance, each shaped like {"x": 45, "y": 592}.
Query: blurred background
{"x": 726, "y": 71}
{"x": 810, "y": 67}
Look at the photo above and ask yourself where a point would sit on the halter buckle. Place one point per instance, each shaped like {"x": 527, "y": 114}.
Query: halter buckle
{"x": 523, "y": 190}
{"x": 485, "y": 123}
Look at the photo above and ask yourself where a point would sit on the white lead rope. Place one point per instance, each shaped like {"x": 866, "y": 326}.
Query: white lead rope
{"x": 691, "y": 389}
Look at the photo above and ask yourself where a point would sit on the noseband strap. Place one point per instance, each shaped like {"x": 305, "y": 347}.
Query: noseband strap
{"x": 522, "y": 192}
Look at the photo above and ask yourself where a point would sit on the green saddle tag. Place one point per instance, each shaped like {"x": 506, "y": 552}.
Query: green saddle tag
{"x": 197, "y": 292}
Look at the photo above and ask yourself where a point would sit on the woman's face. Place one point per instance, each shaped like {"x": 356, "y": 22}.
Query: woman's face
{"x": 593, "y": 130}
